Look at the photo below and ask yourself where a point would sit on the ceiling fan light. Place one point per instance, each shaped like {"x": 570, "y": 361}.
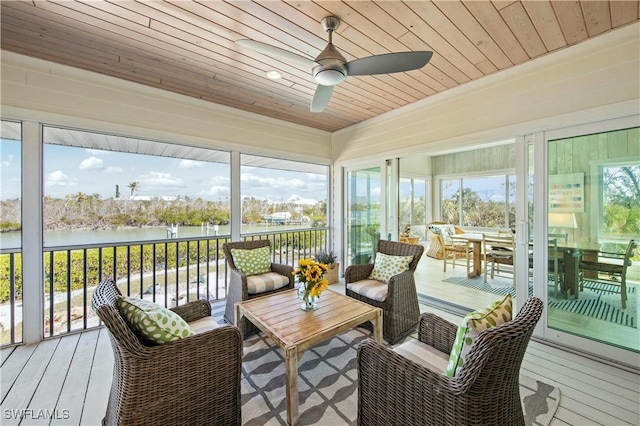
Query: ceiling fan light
{"x": 329, "y": 77}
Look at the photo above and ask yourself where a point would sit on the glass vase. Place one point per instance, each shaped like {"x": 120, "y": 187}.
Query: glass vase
{"x": 309, "y": 302}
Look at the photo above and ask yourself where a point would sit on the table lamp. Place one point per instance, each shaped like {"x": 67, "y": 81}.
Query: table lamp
{"x": 562, "y": 220}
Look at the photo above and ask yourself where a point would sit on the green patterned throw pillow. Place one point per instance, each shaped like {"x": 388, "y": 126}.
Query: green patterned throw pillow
{"x": 152, "y": 321}
{"x": 386, "y": 266}
{"x": 252, "y": 262}
{"x": 499, "y": 312}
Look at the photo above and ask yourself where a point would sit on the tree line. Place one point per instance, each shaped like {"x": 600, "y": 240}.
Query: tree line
{"x": 85, "y": 211}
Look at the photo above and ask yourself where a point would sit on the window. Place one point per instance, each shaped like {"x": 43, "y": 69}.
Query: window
{"x": 413, "y": 206}
{"x": 450, "y": 200}
{"x": 282, "y": 194}
{"x": 11, "y": 227}
{"x": 483, "y": 202}
{"x": 137, "y": 189}
{"x": 11, "y": 188}
{"x": 620, "y": 202}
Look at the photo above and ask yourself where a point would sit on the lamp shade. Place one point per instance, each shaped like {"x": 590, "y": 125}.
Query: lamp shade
{"x": 563, "y": 220}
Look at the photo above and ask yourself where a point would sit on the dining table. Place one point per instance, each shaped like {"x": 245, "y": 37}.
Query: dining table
{"x": 572, "y": 252}
{"x": 475, "y": 239}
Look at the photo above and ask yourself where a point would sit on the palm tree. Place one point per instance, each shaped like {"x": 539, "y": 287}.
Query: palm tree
{"x": 133, "y": 186}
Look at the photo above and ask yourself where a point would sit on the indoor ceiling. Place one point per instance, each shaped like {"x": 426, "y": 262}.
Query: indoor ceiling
{"x": 189, "y": 47}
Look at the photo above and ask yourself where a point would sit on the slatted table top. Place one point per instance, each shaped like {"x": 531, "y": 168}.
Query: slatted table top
{"x": 279, "y": 315}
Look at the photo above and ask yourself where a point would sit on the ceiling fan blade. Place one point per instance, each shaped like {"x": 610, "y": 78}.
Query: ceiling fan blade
{"x": 389, "y": 63}
{"x": 276, "y": 52}
{"x": 321, "y": 98}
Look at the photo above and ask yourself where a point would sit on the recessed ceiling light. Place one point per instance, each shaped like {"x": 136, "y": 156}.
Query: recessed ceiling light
{"x": 274, "y": 75}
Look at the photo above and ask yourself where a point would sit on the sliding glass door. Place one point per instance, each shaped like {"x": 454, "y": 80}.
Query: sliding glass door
{"x": 365, "y": 213}
{"x": 587, "y": 211}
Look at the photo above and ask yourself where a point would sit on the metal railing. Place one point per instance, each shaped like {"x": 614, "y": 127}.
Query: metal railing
{"x": 170, "y": 272}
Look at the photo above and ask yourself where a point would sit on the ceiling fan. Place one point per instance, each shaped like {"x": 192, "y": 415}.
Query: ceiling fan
{"x": 330, "y": 67}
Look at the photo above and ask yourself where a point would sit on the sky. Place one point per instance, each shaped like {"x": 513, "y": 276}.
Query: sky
{"x": 70, "y": 170}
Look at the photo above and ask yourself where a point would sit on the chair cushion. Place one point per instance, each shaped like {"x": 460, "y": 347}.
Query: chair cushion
{"x": 153, "y": 322}
{"x": 499, "y": 312}
{"x": 446, "y": 231}
{"x": 253, "y": 261}
{"x": 423, "y": 354}
{"x": 266, "y": 282}
{"x": 204, "y": 324}
{"x": 371, "y": 289}
{"x": 386, "y": 266}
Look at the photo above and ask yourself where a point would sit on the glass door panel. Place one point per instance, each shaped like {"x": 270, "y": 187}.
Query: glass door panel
{"x": 593, "y": 213}
{"x": 364, "y": 213}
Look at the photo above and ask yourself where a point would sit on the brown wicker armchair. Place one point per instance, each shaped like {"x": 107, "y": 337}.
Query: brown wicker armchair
{"x": 400, "y": 307}
{"x": 191, "y": 381}
{"x": 486, "y": 391}
{"x": 239, "y": 283}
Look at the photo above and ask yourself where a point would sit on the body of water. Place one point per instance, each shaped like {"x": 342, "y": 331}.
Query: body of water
{"x": 81, "y": 237}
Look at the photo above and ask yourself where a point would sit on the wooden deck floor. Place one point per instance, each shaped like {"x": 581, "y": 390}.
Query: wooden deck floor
{"x": 66, "y": 381}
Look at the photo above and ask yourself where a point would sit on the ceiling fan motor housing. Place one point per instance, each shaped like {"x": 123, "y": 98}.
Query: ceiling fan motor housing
{"x": 331, "y": 68}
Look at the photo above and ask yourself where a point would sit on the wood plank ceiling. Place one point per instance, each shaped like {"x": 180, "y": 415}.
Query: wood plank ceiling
{"x": 189, "y": 47}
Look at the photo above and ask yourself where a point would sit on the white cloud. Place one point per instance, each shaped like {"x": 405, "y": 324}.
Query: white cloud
{"x": 216, "y": 190}
{"x": 160, "y": 180}
{"x": 113, "y": 169}
{"x": 58, "y": 178}
{"x": 91, "y": 163}
{"x": 9, "y": 161}
{"x": 190, "y": 164}
{"x": 279, "y": 184}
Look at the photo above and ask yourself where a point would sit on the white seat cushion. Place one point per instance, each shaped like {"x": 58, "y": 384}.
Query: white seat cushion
{"x": 204, "y": 324}
{"x": 266, "y": 282}
{"x": 425, "y": 355}
{"x": 372, "y": 289}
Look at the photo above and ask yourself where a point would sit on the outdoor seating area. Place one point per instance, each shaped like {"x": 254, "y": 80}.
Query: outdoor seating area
{"x": 320, "y": 213}
{"x": 29, "y": 374}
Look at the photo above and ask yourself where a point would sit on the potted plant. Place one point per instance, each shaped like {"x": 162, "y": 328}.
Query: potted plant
{"x": 329, "y": 258}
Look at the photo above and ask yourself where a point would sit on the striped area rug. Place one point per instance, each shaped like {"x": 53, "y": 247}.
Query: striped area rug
{"x": 595, "y": 301}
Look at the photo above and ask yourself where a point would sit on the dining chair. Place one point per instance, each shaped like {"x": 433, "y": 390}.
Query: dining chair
{"x": 457, "y": 248}
{"x": 610, "y": 269}
{"x": 497, "y": 251}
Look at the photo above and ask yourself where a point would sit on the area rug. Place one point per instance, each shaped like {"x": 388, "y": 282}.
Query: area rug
{"x": 595, "y": 302}
{"x": 327, "y": 382}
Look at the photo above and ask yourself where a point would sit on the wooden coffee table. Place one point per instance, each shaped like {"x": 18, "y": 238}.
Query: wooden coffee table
{"x": 294, "y": 330}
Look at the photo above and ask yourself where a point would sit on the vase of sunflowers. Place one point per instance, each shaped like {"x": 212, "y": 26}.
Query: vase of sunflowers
{"x": 310, "y": 275}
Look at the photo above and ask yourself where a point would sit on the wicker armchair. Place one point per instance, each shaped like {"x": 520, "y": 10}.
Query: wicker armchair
{"x": 486, "y": 391}
{"x": 437, "y": 242}
{"x": 238, "y": 284}
{"x": 191, "y": 381}
{"x": 400, "y": 307}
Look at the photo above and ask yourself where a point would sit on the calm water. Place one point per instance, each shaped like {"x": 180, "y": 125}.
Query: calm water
{"x": 67, "y": 238}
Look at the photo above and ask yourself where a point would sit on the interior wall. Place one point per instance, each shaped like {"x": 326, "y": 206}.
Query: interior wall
{"x": 38, "y": 90}
{"x": 502, "y": 157}
{"x": 549, "y": 92}
{"x": 577, "y": 155}
{"x": 416, "y": 165}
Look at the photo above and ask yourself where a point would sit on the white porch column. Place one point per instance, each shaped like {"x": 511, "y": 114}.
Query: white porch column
{"x": 32, "y": 220}
{"x": 236, "y": 201}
